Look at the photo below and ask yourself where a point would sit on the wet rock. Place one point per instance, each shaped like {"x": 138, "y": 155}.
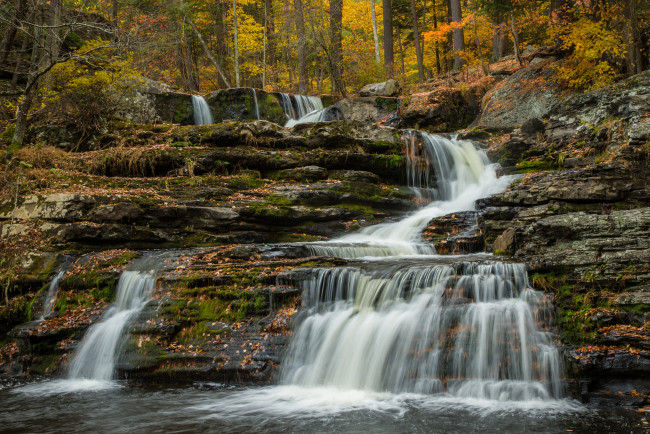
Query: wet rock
{"x": 633, "y": 296}
{"x": 505, "y": 243}
{"x": 456, "y": 233}
{"x": 387, "y": 88}
{"x": 306, "y": 173}
{"x": 532, "y": 126}
{"x": 355, "y": 176}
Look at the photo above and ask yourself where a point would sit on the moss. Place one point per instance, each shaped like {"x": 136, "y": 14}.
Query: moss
{"x": 245, "y": 182}
{"x": 381, "y": 147}
{"x": 533, "y": 166}
{"x": 16, "y": 312}
{"x": 43, "y": 363}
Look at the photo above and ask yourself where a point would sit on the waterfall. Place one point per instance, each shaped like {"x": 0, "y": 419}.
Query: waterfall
{"x": 407, "y": 321}
{"x": 308, "y": 109}
{"x": 202, "y": 113}
{"x": 52, "y": 290}
{"x": 451, "y": 171}
{"x": 287, "y": 106}
{"x": 96, "y": 354}
{"x": 469, "y": 329}
{"x": 257, "y": 108}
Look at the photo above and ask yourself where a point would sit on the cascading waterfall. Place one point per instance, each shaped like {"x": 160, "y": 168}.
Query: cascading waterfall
{"x": 202, "y": 113}
{"x": 460, "y": 326}
{"x": 469, "y": 329}
{"x": 96, "y": 354}
{"x": 308, "y": 109}
{"x": 451, "y": 172}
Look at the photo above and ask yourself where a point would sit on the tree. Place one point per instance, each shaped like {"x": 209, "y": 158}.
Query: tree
{"x": 416, "y": 40}
{"x": 44, "y": 32}
{"x": 459, "y": 37}
{"x": 375, "y": 36}
{"x": 389, "y": 60}
{"x": 234, "y": 19}
{"x": 302, "y": 55}
{"x": 336, "y": 45}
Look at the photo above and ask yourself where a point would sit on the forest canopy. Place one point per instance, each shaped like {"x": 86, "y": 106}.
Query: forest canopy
{"x": 304, "y": 46}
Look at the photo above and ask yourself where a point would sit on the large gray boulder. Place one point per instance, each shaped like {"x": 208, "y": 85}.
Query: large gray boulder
{"x": 387, "y": 88}
{"x": 531, "y": 92}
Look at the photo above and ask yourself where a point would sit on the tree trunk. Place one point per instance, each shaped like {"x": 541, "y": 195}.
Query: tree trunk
{"x": 234, "y": 19}
{"x": 459, "y": 36}
{"x": 389, "y": 59}
{"x": 221, "y": 51}
{"x": 271, "y": 56}
{"x": 401, "y": 50}
{"x": 416, "y": 40}
{"x": 10, "y": 36}
{"x": 336, "y": 44}
{"x": 515, "y": 36}
{"x": 114, "y": 12}
{"x": 633, "y": 58}
{"x": 192, "y": 75}
{"x": 208, "y": 53}
{"x": 484, "y": 66}
{"x": 22, "y": 111}
{"x": 435, "y": 44}
{"x": 449, "y": 47}
{"x": 499, "y": 41}
{"x": 375, "y": 35}
{"x": 302, "y": 55}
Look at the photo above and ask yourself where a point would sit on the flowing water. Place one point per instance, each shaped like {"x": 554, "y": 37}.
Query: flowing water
{"x": 398, "y": 340}
{"x": 202, "y": 113}
{"x": 93, "y": 361}
{"x": 257, "y": 107}
{"x": 53, "y": 289}
{"x": 307, "y": 109}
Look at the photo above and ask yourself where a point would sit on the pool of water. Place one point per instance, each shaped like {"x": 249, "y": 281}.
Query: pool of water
{"x": 74, "y": 406}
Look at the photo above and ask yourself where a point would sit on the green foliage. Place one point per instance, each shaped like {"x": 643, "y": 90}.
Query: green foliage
{"x": 84, "y": 95}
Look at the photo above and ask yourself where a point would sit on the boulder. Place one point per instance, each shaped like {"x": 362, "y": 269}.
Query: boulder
{"x": 531, "y": 92}
{"x": 443, "y": 109}
{"x": 387, "y": 88}
{"x": 380, "y": 110}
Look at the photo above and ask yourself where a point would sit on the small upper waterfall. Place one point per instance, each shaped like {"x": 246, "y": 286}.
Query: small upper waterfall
{"x": 96, "y": 354}
{"x": 257, "y": 107}
{"x": 308, "y": 109}
{"x": 202, "y": 113}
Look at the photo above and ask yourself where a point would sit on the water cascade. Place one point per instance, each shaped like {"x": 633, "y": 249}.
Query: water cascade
{"x": 308, "y": 109}
{"x": 202, "y": 113}
{"x": 450, "y": 172}
{"x": 468, "y": 329}
{"x": 257, "y": 107}
{"x": 96, "y": 354}
{"x": 458, "y": 326}
{"x": 52, "y": 291}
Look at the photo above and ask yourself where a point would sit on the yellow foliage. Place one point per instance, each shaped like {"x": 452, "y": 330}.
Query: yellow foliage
{"x": 595, "y": 47}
